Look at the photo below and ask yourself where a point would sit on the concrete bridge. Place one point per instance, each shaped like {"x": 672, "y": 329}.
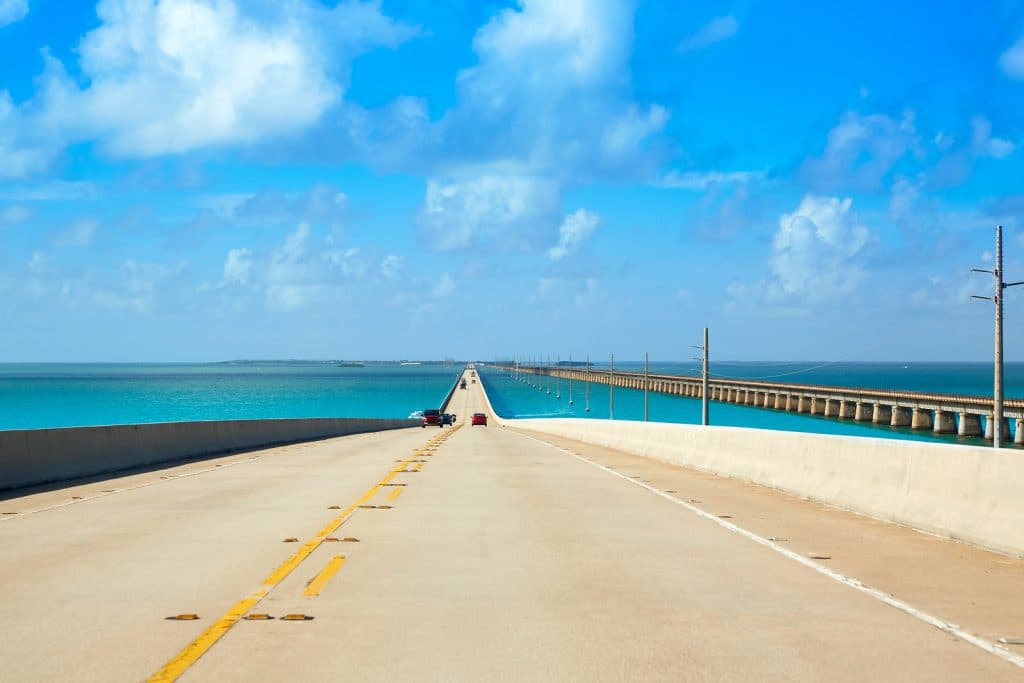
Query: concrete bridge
{"x": 939, "y": 413}
{"x": 524, "y": 551}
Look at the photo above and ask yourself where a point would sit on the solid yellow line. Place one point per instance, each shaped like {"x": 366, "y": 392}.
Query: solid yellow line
{"x": 317, "y": 584}
{"x": 394, "y": 494}
{"x": 174, "y": 668}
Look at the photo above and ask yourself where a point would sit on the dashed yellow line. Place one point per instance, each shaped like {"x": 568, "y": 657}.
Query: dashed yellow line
{"x": 317, "y": 584}
{"x": 174, "y": 668}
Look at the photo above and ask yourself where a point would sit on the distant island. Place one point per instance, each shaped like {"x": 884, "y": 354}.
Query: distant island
{"x": 338, "y": 363}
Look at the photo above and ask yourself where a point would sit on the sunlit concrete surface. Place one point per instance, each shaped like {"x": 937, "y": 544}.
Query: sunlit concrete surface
{"x": 503, "y": 557}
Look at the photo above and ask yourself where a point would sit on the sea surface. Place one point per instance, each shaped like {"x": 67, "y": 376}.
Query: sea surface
{"x": 512, "y": 398}
{"x": 70, "y": 395}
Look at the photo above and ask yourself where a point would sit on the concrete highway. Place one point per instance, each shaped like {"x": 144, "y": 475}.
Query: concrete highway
{"x": 482, "y": 553}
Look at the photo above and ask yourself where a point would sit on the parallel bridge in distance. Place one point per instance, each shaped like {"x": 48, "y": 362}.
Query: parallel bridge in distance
{"x": 960, "y": 415}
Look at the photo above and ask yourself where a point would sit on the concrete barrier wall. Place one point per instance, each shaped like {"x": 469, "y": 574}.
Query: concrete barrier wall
{"x": 38, "y": 456}
{"x": 968, "y": 493}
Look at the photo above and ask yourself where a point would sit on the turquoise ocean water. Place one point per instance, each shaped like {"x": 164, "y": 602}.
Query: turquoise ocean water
{"x": 511, "y": 398}
{"x": 69, "y": 395}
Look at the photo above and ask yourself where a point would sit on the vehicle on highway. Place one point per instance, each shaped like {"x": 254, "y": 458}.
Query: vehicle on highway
{"x": 463, "y": 385}
{"x": 478, "y": 419}
{"x": 448, "y": 419}
{"x": 432, "y": 416}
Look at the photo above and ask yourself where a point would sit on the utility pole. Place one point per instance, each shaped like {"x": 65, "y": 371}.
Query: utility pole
{"x": 558, "y": 378}
{"x": 611, "y": 389}
{"x": 997, "y": 371}
{"x": 704, "y": 378}
{"x": 571, "y": 370}
{"x": 646, "y": 403}
{"x": 587, "y": 385}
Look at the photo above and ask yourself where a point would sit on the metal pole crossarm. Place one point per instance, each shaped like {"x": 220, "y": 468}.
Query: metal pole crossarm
{"x": 997, "y": 365}
{"x": 704, "y": 382}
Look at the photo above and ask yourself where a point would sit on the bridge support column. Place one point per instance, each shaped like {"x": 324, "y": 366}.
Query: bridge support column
{"x": 970, "y": 425}
{"x": 769, "y": 400}
{"x": 900, "y": 417}
{"x": 752, "y": 398}
{"x": 921, "y": 419}
{"x": 990, "y": 425}
{"x": 831, "y": 407}
{"x": 792, "y": 404}
{"x": 780, "y": 401}
{"x": 803, "y": 404}
{"x": 847, "y": 409}
{"x": 881, "y": 414}
{"x": 817, "y": 406}
{"x": 1018, "y": 432}
{"x": 945, "y": 422}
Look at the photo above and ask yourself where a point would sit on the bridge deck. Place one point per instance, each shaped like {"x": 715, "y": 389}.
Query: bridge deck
{"x": 504, "y": 558}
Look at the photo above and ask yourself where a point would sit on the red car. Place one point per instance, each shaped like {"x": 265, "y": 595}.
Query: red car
{"x": 432, "y": 416}
{"x": 478, "y": 419}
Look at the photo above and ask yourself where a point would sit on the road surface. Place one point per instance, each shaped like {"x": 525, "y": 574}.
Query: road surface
{"x": 480, "y": 553}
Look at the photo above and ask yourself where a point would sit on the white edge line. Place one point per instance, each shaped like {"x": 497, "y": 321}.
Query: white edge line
{"x": 952, "y": 629}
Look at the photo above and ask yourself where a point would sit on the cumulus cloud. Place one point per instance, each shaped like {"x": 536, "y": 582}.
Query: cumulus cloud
{"x": 179, "y": 74}
{"x": 547, "y": 105}
{"x": 728, "y": 208}
{"x": 444, "y": 287}
{"x": 1012, "y": 61}
{"x": 323, "y": 202}
{"x": 815, "y": 250}
{"x": 391, "y": 266}
{"x": 306, "y": 271}
{"x": 960, "y": 157}
{"x": 169, "y": 76}
{"x": 575, "y": 229}
{"x": 459, "y": 213}
{"x": 715, "y": 31}
{"x": 578, "y": 40}
{"x": 24, "y": 147}
{"x": 12, "y": 11}
{"x": 237, "y": 266}
{"x": 78, "y": 234}
{"x": 579, "y": 292}
{"x": 984, "y": 144}
{"x": 860, "y": 152}
{"x": 702, "y": 180}
{"x": 14, "y": 214}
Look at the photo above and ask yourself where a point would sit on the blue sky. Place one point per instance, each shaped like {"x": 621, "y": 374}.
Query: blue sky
{"x": 212, "y": 179}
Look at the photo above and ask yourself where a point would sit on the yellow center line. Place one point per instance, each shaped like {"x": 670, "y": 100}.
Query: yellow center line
{"x": 394, "y": 494}
{"x": 174, "y": 668}
{"x": 317, "y": 584}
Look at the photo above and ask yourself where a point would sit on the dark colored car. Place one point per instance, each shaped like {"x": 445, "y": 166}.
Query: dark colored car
{"x": 478, "y": 419}
{"x": 448, "y": 419}
{"x": 432, "y": 416}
